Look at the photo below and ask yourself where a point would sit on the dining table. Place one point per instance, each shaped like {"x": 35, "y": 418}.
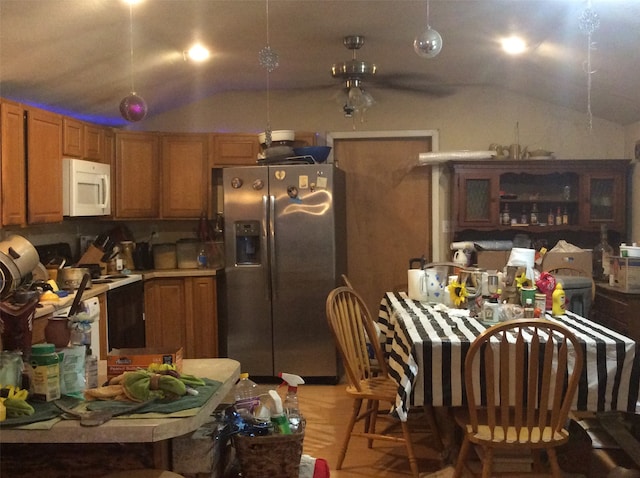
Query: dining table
{"x": 426, "y": 344}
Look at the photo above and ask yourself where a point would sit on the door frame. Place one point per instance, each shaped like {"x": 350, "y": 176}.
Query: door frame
{"x": 440, "y": 230}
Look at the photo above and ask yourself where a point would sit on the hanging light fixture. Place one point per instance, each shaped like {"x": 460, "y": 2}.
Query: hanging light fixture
{"x": 429, "y": 43}
{"x": 353, "y": 72}
{"x": 589, "y": 22}
{"x": 132, "y": 107}
{"x": 269, "y": 60}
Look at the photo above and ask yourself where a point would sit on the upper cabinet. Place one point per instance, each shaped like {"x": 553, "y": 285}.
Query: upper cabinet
{"x": 242, "y": 149}
{"x": 231, "y": 149}
{"x": 13, "y": 187}
{"x": 185, "y": 175}
{"x": 82, "y": 140}
{"x": 137, "y": 172}
{"x": 160, "y": 176}
{"x": 538, "y": 196}
{"x": 44, "y": 166}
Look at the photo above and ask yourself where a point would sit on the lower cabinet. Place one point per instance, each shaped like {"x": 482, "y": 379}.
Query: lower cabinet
{"x": 617, "y": 310}
{"x": 182, "y": 311}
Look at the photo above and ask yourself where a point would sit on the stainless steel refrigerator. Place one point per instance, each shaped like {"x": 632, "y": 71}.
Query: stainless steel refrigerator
{"x": 285, "y": 247}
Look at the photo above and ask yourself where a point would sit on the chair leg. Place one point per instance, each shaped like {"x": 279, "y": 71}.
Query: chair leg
{"x": 372, "y": 420}
{"x": 413, "y": 462}
{"x": 487, "y": 462}
{"x": 462, "y": 457}
{"x": 553, "y": 462}
{"x": 357, "y": 404}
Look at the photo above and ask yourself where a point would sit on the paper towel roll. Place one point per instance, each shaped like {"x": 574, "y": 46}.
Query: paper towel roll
{"x": 523, "y": 257}
{"x": 417, "y": 282}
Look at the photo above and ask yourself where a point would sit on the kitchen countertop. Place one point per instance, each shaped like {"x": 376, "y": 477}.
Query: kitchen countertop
{"x": 49, "y": 307}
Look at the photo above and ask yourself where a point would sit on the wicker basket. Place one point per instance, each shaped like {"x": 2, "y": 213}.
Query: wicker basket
{"x": 275, "y": 456}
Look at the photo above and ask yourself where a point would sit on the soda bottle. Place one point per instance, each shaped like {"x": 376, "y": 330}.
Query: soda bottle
{"x": 247, "y": 396}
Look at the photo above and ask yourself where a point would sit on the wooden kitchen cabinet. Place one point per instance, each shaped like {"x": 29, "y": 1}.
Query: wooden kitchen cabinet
{"x": 617, "y": 310}
{"x": 234, "y": 149}
{"x": 82, "y": 140}
{"x": 137, "y": 173}
{"x": 590, "y": 192}
{"x": 185, "y": 175}
{"x": 13, "y": 188}
{"x": 44, "y": 166}
{"x": 182, "y": 311}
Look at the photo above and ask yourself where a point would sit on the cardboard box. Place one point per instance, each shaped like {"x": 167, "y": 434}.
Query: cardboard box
{"x": 577, "y": 260}
{"x": 626, "y": 273}
{"x": 492, "y": 260}
{"x": 124, "y": 360}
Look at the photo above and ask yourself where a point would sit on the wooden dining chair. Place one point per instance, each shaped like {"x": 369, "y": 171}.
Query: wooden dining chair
{"x": 530, "y": 371}
{"x": 355, "y": 334}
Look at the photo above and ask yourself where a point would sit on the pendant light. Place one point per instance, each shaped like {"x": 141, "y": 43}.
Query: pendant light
{"x": 429, "y": 43}
{"x": 132, "y": 107}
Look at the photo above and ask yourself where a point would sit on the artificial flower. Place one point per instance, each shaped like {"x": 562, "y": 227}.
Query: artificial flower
{"x": 458, "y": 293}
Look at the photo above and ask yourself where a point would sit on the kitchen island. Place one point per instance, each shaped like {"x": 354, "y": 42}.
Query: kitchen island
{"x": 137, "y": 442}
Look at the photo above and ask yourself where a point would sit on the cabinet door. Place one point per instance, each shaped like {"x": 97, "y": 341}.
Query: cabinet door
{"x": 14, "y": 183}
{"x": 201, "y": 315}
{"x": 235, "y": 149}
{"x": 44, "y": 166}
{"x": 72, "y": 137}
{"x": 604, "y": 199}
{"x": 165, "y": 305}
{"x": 476, "y": 199}
{"x": 185, "y": 175}
{"x": 93, "y": 143}
{"x": 137, "y": 175}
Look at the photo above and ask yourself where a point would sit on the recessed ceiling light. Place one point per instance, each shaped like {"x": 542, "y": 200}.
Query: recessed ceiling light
{"x": 513, "y": 45}
{"x": 198, "y": 53}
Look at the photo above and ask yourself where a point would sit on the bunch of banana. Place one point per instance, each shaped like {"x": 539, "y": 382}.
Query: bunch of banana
{"x": 14, "y": 402}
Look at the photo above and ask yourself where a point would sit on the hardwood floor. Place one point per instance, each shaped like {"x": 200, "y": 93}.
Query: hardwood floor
{"x": 327, "y": 409}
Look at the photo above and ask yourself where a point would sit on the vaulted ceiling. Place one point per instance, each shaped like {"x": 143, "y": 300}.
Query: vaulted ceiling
{"x": 75, "y": 56}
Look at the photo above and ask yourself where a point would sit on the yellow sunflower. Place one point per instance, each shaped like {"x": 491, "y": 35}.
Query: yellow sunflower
{"x": 458, "y": 293}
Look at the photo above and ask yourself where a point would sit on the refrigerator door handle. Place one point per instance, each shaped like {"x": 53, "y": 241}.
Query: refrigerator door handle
{"x": 272, "y": 245}
{"x": 265, "y": 233}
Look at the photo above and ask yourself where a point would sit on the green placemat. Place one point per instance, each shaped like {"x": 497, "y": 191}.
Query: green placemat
{"x": 43, "y": 411}
{"x": 183, "y": 403}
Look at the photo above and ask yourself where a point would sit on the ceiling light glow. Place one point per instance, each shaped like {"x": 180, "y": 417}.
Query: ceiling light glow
{"x": 198, "y": 53}
{"x": 513, "y": 45}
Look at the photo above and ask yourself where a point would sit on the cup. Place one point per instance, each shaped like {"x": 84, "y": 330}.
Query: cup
{"x": 514, "y": 151}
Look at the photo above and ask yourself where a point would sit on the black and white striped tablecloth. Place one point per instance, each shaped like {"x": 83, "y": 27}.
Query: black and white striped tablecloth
{"x": 426, "y": 346}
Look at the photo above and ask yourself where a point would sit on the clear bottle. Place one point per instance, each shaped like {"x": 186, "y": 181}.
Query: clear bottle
{"x": 292, "y": 409}
{"x": 91, "y": 369}
{"x": 601, "y": 254}
{"x": 247, "y": 396}
{"x": 528, "y": 309}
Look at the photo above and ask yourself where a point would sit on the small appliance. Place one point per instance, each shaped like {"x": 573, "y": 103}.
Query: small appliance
{"x": 86, "y": 188}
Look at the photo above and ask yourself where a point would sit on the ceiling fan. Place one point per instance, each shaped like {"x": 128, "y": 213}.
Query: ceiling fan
{"x": 355, "y": 73}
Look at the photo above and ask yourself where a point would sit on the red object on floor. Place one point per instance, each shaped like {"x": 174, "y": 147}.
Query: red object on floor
{"x": 321, "y": 469}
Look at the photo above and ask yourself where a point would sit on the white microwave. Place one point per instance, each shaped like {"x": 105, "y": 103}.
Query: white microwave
{"x": 85, "y": 188}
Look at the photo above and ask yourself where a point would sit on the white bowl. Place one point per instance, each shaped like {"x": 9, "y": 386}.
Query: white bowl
{"x": 278, "y": 136}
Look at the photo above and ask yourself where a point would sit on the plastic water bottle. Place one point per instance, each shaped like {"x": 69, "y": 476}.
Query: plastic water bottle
{"x": 247, "y": 396}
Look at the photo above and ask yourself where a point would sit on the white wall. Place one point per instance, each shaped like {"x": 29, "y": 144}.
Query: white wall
{"x": 470, "y": 119}
{"x": 631, "y": 137}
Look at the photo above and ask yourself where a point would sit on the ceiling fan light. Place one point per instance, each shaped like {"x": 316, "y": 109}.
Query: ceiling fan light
{"x": 428, "y": 44}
